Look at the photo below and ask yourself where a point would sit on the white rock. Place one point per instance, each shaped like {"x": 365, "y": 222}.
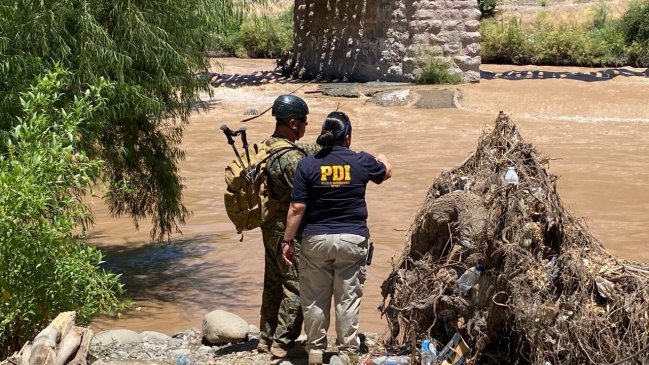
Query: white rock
{"x": 181, "y": 352}
{"x": 115, "y": 337}
{"x": 221, "y": 327}
{"x": 154, "y": 337}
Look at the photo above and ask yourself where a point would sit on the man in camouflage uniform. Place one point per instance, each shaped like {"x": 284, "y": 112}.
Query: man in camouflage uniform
{"x": 281, "y": 314}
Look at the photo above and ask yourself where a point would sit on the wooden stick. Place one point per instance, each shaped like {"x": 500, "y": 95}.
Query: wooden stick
{"x": 64, "y": 322}
{"x": 25, "y": 353}
{"x": 43, "y": 348}
{"x": 84, "y": 347}
{"x": 69, "y": 345}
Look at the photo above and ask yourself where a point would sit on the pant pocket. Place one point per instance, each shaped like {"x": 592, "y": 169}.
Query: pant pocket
{"x": 354, "y": 247}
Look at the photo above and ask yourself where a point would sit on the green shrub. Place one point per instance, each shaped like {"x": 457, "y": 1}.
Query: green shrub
{"x": 634, "y": 27}
{"x": 504, "y": 42}
{"x": 639, "y": 54}
{"x": 261, "y": 37}
{"x": 543, "y": 42}
{"x": 46, "y": 268}
{"x": 437, "y": 71}
{"x": 635, "y": 24}
{"x": 487, "y": 7}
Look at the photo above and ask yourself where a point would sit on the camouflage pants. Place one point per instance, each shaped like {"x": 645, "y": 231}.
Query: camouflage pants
{"x": 281, "y": 313}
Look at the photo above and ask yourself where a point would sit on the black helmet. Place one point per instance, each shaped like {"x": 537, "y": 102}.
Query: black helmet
{"x": 286, "y": 106}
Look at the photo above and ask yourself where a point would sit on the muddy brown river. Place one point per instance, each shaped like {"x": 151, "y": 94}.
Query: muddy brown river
{"x": 593, "y": 123}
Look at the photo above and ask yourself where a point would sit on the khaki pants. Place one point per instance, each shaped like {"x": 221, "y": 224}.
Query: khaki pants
{"x": 332, "y": 264}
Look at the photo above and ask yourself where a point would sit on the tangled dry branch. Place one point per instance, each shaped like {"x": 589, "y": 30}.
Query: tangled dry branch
{"x": 551, "y": 294}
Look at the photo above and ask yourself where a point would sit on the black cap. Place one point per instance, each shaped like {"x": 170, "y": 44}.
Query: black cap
{"x": 286, "y": 106}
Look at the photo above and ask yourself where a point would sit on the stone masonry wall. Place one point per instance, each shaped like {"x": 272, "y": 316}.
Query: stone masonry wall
{"x": 369, "y": 40}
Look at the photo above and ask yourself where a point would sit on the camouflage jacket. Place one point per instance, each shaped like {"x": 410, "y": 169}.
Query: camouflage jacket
{"x": 281, "y": 169}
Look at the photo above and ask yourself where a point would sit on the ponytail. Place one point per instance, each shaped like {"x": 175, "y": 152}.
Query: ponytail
{"x": 335, "y": 129}
{"x": 326, "y": 139}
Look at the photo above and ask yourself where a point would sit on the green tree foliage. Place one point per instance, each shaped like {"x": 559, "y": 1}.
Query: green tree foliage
{"x": 46, "y": 268}
{"x": 602, "y": 42}
{"x": 544, "y": 42}
{"x": 635, "y": 28}
{"x": 487, "y": 7}
{"x": 152, "y": 50}
{"x": 635, "y": 23}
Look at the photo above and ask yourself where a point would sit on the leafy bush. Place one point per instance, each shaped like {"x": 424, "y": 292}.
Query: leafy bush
{"x": 543, "y": 42}
{"x": 487, "y": 7}
{"x": 261, "y": 37}
{"x": 437, "y": 71}
{"x": 504, "y": 42}
{"x": 634, "y": 27}
{"x": 635, "y": 24}
{"x": 46, "y": 268}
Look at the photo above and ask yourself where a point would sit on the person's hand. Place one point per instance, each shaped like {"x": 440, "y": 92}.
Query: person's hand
{"x": 288, "y": 253}
{"x": 388, "y": 166}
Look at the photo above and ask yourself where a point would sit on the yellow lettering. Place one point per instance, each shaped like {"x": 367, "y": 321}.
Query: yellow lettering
{"x": 347, "y": 174}
{"x": 339, "y": 173}
{"x": 326, "y": 172}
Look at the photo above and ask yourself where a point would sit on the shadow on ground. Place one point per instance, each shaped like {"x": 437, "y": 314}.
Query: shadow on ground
{"x": 253, "y": 79}
{"x": 275, "y": 77}
{"x": 602, "y": 75}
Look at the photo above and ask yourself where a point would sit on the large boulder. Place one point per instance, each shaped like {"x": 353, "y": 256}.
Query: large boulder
{"x": 221, "y": 327}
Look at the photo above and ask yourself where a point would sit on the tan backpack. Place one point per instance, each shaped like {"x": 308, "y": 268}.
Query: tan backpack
{"x": 248, "y": 199}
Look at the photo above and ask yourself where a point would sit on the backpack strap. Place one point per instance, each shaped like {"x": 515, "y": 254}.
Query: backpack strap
{"x": 278, "y": 149}
{"x": 285, "y": 145}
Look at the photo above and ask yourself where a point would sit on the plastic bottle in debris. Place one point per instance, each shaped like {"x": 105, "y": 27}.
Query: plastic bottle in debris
{"x": 469, "y": 278}
{"x": 183, "y": 360}
{"x": 391, "y": 360}
{"x": 398, "y": 360}
{"x": 428, "y": 353}
{"x": 511, "y": 177}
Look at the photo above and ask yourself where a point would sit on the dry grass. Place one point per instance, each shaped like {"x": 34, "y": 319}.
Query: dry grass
{"x": 560, "y": 12}
{"x": 271, "y": 8}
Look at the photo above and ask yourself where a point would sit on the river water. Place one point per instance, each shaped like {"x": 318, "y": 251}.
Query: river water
{"x": 594, "y": 125}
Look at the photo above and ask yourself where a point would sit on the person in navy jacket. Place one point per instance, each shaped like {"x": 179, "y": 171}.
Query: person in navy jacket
{"x": 328, "y": 198}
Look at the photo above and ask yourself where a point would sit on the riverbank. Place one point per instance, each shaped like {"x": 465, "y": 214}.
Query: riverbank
{"x": 592, "y": 122}
{"x": 186, "y": 348}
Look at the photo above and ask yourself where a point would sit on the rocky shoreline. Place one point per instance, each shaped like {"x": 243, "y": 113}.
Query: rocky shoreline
{"x": 184, "y": 348}
{"x": 225, "y": 339}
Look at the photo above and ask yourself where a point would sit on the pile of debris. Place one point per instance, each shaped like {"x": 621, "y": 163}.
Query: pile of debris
{"x": 547, "y": 292}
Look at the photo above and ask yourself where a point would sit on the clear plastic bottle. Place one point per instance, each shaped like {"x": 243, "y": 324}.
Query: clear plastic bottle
{"x": 469, "y": 278}
{"x": 428, "y": 353}
{"x": 398, "y": 360}
{"x": 511, "y": 177}
{"x": 183, "y": 360}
